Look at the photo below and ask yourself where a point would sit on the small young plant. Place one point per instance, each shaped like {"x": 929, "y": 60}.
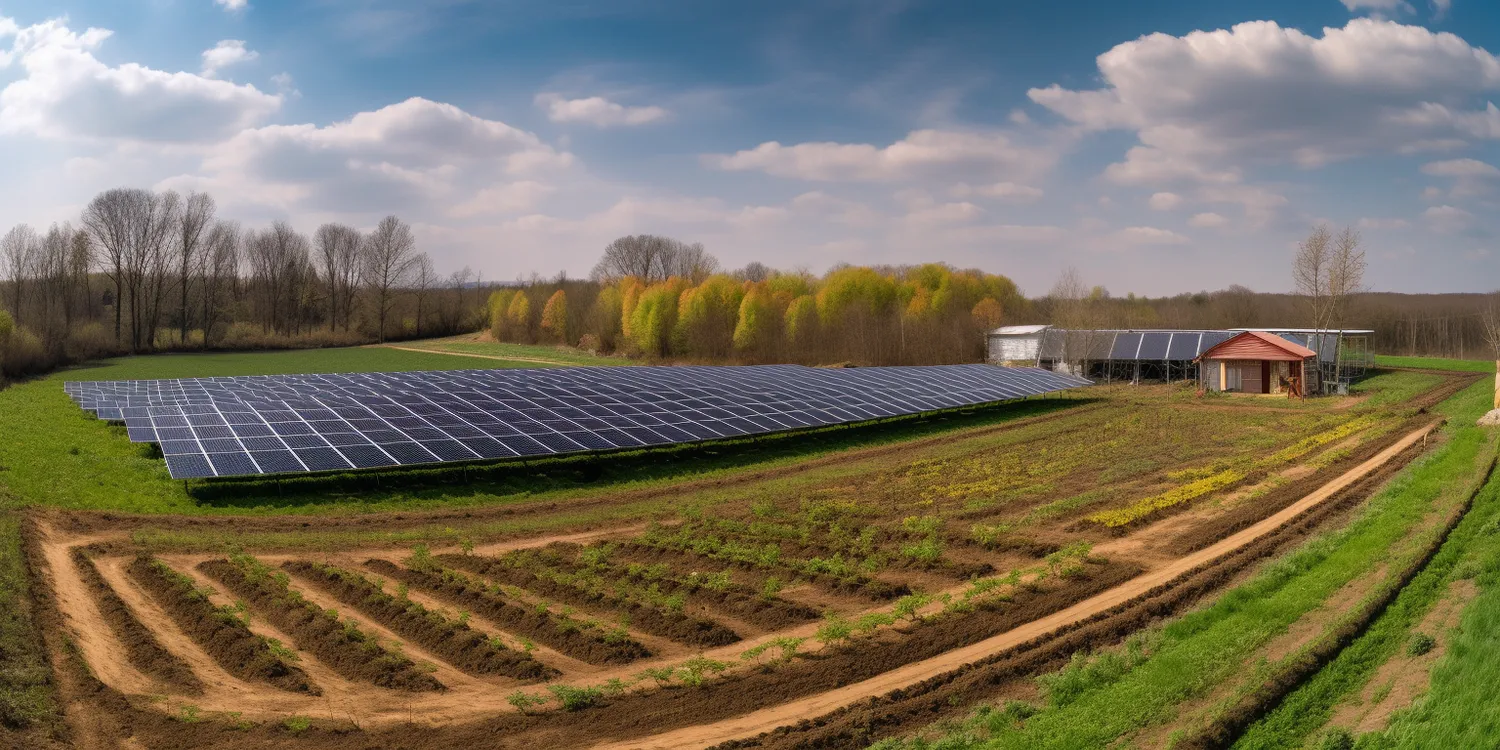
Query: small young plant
{"x": 576, "y": 698}
{"x": 771, "y": 588}
{"x": 1420, "y": 644}
{"x": 835, "y": 629}
{"x": 467, "y": 545}
{"x": 872, "y": 621}
{"x": 695, "y": 670}
{"x": 524, "y": 701}
{"x": 297, "y": 724}
{"x": 662, "y": 675}
{"x": 189, "y": 714}
{"x": 421, "y": 558}
{"x": 909, "y": 607}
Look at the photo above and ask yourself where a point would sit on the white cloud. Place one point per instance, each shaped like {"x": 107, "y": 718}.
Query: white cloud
{"x": 597, "y": 111}
{"x": 922, "y": 153}
{"x": 67, "y": 93}
{"x": 1460, "y": 168}
{"x": 1355, "y": 6}
{"x": 407, "y": 156}
{"x": 1004, "y": 191}
{"x": 945, "y": 213}
{"x": 1448, "y": 219}
{"x": 1377, "y": 222}
{"x": 1149, "y": 236}
{"x": 224, "y": 54}
{"x": 1206, "y": 104}
{"x": 1164, "y": 201}
{"x": 1207, "y": 220}
{"x": 508, "y": 198}
{"x": 233, "y": 6}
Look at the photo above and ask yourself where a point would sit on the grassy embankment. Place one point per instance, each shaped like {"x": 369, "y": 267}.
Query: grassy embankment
{"x": 1196, "y": 667}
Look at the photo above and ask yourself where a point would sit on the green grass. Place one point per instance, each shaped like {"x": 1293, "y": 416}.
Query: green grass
{"x": 558, "y": 354}
{"x": 1306, "y": 710}
{"x": 1436, "y": 363}
{"x": 1214, "y": 648}
{"x": 57, "y": 455}
{"x": 27, "y": 703}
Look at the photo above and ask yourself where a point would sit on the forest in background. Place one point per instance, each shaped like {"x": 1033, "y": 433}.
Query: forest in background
{"x": 147, "y": 271}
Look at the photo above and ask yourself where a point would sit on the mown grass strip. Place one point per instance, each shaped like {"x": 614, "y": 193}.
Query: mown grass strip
{"x": 1309, "y": 707}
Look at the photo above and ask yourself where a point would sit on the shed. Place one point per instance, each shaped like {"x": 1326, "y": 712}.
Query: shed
{"x": 1015, "y": 345}
{"x": 1259, "y": 362}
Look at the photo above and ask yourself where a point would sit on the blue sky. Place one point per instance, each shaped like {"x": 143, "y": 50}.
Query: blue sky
{"x": 1158, "y": 146}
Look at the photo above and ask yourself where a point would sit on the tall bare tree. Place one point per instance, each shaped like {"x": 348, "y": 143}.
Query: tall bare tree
{"x": 19, "y": 251}
{"x": 111, "y": 219}
{"x": 281, "y": 265}
{"x": 1310, "y": 270}
{"x": 219, "y": 270}
{"x": 192, "y": 227}
{"x": 652, "y": 258}
{"x": 78, "y": 302}
{"x": 424, "y": 278}
{"x": 390, "y": 258}
{"x": 338, "y": 248}
{"x": 157, "y": 278}
{"x": 1346, "y": 278}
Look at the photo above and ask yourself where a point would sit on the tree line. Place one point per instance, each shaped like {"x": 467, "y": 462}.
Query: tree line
{"x": 659, "y": 298}
{"x": 146, "y": 271}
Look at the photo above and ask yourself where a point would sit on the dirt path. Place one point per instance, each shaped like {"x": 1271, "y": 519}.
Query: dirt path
{"x": 768, "y": 719}
{"x": 535, "y": 360}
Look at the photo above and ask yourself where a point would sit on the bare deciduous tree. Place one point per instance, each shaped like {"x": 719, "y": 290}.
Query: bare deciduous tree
{"x": 19, "y": 250}
{"x": 197, "y": 215}
{"x": 1310, "y": 274}
{"x": 219, "y": 270}
{"x": 338, "y": 250}
{"x": 423, "y": 278}
{"x": 1346, "y": 278}
{"x": 390, "y": 255}
{"x": 280, "y": 265}
{"x": 652, "y": 258}
{"x": 111, "y": 218}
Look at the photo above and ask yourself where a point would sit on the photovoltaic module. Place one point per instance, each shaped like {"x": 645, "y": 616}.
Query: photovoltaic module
{"x": 285, "y": 424}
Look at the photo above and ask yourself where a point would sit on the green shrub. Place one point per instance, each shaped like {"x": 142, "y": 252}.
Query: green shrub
{"x": 524, "y": 701}
{"x": 576, "y": 698}
{"x": 1420, "y": 643}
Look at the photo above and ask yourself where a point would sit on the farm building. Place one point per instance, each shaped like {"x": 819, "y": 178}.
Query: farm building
{"x": 1170, "y": 355}
{"x": 1259, "y": 362}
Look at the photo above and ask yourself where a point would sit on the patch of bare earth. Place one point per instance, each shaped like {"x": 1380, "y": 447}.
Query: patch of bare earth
{"x": 1404, "y": 678}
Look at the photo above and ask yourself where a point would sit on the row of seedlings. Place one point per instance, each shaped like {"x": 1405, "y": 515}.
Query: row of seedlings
{"x": 836, "y": 574}
{"x": 717, "y": 591}
{"x": 222, "y": 631}
{"x": 644, "y": 609}
{"x": 141, "y": 647}
{"x": 585, "y": 640}
{"x": 452, "y": 639}
{"x": 341, "y": 645}
{"x": 916, "y": 543}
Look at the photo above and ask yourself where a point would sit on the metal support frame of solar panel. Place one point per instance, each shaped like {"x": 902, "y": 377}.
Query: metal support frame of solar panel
{"x": 238, "y": 426}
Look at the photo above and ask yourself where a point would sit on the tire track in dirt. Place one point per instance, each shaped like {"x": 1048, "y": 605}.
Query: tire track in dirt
{"x": 766, "y": 720}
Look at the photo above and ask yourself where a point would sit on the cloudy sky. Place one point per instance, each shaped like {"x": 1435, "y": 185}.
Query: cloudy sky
{"x": 1159, "y": 146}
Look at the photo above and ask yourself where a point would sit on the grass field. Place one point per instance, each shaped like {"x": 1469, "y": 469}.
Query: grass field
{"x": 729, "y": 577}
{"x": 482, "y": 345}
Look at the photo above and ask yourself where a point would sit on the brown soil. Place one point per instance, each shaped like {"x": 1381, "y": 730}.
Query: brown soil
{"x": 585, "y": 644}
{"x": 859, "y": 585}
{"x": 453, "y": 641}
{"x": 734, "y": 600}
{"x": 352, "y": 655}
{"x": 676, "y": 626}
{"x": 236, "y": 649}
{"x": 142, "y": 648}
{"x": 1404, "y": 678}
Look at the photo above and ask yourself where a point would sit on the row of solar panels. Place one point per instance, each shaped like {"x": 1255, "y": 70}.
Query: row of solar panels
{"x": 1156, "y": 346}
{"x": 280, "y": 424}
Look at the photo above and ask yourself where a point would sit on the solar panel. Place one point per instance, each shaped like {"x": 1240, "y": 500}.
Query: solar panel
{"x": 281, "y": 424}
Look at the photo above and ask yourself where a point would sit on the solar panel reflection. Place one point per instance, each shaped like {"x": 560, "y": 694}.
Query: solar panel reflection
{"x": 284, "y": 424}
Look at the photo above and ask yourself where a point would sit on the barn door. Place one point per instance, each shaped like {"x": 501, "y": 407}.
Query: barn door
{"x": 1265, "y": 376}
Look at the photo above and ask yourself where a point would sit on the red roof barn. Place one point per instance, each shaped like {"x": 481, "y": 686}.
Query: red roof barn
{"x": 1259, "y": 362}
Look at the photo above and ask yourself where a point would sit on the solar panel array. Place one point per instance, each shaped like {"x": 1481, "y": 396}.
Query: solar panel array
{"x": 283, "y": 424}
{"x": 1126, "y": 346}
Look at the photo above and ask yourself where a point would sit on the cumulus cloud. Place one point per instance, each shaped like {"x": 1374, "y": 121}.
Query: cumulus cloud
{"x": 922, "y": 153}
{"x": 413, "y": 154}
{"x": 224, "y": 54}
{"x": 233, "y": 6}
{"x": 1378, "y": 222}
{"x": 1207, "y": 220}
{"x": 1164, "y": 201}
{"x": 1460, "y": 168}
{"x": 1204, "y": 104}
{"x": 67, "y": 93}
{"x": 1003, "y": 191}
{"x": 1448, "y": 219}
{"x": 1149, "y": 236}
{"x": 597, "y": 111}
